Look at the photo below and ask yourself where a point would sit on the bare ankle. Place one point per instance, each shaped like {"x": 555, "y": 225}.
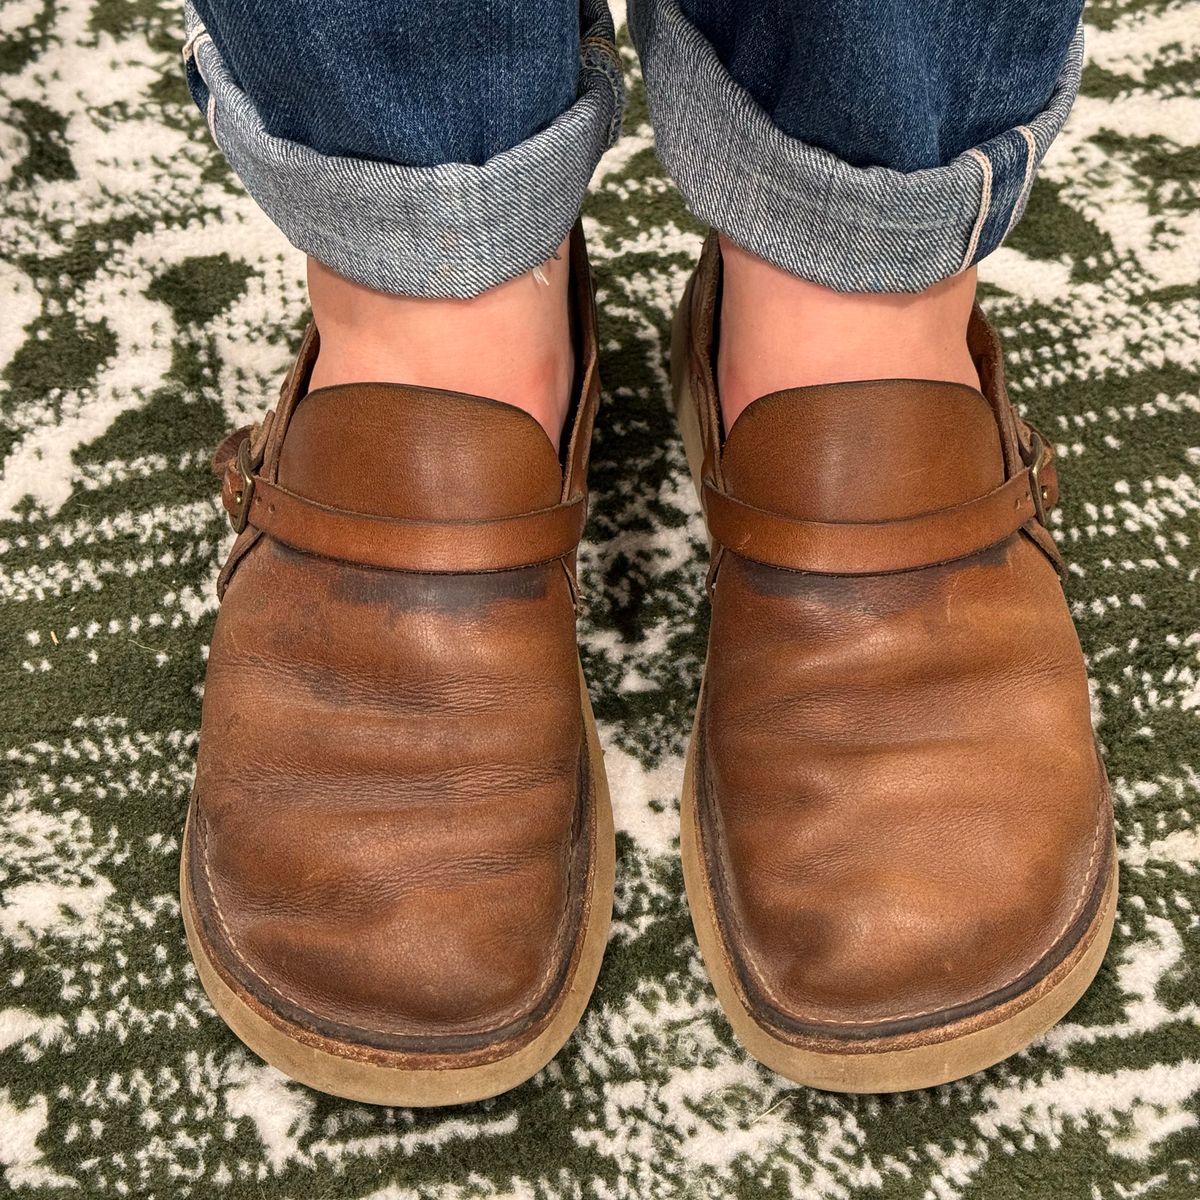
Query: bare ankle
{"x": 512, "y": 343}
{"x": 778, "y": 331}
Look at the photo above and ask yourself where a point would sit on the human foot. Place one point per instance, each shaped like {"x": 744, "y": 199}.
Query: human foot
{"x": 512, "y": 343}
{"x": 896, "y": 830}
{"x": 397, "y": 867}
{"x": 778, "y": 331}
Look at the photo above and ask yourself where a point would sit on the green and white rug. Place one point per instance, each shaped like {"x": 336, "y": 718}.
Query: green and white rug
{"x": 146, "y": 307}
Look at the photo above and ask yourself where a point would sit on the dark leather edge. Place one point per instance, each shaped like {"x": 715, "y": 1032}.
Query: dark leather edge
{"x": 768, "y": 1015}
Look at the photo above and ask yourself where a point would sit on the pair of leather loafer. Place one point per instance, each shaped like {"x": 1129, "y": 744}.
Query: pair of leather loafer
{"x": 397, "y": 869}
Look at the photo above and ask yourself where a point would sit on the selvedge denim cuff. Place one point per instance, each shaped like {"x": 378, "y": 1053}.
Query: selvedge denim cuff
{"x": 450, "y": 230}
{"x": 856, "y": 229}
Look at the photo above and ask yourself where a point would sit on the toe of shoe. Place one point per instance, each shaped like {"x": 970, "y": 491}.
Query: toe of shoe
{"x": 442, "y": 967}
{"x": 885, "y": 945}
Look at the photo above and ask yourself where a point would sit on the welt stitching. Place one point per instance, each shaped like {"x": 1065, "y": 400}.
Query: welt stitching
{"x": 585, "y": 904}
{"x": 564, "y": 916}
{"x": 1085, "y": 888}
{"x": 212, "y": 891}
{"x": 720, "y": 857}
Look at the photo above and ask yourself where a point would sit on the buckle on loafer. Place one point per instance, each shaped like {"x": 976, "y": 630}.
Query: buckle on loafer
{"x": 246, "y": 465}
{"x": 1034, "y": 463}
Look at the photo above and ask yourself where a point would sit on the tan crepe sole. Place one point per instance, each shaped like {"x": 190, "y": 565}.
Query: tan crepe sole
{"x": 893, "y": 1064}
{"x": 351, "y": 1074}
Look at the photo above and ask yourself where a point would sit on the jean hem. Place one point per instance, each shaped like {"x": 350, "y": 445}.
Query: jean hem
{"x": 452, "y": 230}
{"x": 854, "y": 229}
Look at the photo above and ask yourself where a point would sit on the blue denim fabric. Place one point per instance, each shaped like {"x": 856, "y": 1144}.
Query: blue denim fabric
{"x": 808, "y": 208}
{"x": 413, "y": 83}
{"x": 439, "y": 149}
{"x": 906, "y": 84}
{"x": 453, "y": 228}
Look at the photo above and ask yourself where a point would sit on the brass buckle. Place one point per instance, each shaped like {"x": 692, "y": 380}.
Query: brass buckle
{"x": 246, "y": 467}
{"x": 1037, "y": 454}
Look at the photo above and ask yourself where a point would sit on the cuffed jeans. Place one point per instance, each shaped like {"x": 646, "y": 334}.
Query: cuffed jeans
{"x": 440, "y": 149}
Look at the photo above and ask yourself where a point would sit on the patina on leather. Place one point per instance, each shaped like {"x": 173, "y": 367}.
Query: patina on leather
{"x": 389, "y": 839}
{"x": 905, "y": 817}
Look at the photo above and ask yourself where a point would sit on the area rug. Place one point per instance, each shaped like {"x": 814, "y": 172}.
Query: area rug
{"x": 146, "y": 307}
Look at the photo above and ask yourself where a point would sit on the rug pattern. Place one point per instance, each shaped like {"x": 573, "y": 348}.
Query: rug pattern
{"x": 146, "y": 307}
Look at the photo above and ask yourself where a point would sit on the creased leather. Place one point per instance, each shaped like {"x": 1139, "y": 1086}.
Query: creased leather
{"x": 904, "y": 816}
{"x": 389, "y": 837}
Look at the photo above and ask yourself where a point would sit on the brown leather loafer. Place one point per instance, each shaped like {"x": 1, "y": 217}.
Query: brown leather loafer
{"x": 397, "y": 868}
{"x": 897, "y": 835}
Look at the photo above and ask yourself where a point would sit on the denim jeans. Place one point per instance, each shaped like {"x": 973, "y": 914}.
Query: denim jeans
{"x": 440, "y": 149}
